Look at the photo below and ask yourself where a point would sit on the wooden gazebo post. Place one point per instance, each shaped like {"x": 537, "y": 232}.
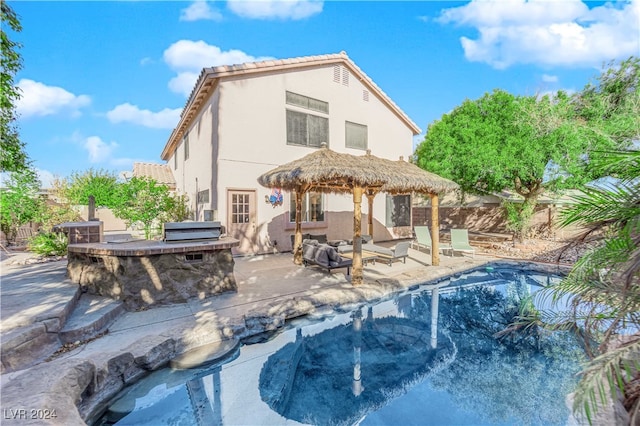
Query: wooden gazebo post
{"x": 356, "y": 272}
{"x": 370, "y": 196}
{"x": 297, "y": 241}
{"x": 435, "y": 231}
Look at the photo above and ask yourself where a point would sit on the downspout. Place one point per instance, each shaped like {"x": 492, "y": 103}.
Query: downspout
{"x": 197, "y": 217}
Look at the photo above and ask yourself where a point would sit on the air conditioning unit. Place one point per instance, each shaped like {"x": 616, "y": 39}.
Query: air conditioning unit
{"x": 210, "y": 215}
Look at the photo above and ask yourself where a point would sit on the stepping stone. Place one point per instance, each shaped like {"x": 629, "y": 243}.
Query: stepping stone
{"x": 209, "y": 353}
{"x": 91, "y": 316}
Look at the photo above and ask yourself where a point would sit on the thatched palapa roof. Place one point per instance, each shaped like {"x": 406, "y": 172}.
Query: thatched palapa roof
{"x": 411, "y": 178}
{"x": 325, "y": 170}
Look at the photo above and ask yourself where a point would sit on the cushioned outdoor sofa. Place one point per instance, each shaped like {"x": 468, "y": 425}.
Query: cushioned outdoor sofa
{"x": 323, "y": 255}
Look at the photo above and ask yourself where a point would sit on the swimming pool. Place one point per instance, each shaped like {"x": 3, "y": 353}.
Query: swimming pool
{"x": 427, "y": 356}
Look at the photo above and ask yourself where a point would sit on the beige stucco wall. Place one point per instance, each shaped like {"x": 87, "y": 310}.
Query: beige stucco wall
{"x": 251, "y": 126}
{"x": 197, "y": 173}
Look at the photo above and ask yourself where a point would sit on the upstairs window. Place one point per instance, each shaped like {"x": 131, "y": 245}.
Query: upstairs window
{"x": 306, "y": 129}
{"x": 307, "y": 102}
{"x": 355, "y": 135}
{"x": 175, "y": 159}
{"x": 186, "y": 147}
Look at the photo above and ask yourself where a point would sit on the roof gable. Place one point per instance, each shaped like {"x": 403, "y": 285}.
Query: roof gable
{"x": 209, "y": 78}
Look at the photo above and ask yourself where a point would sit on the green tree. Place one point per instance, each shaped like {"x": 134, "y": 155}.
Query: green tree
{"x": 19, "y": 202}
{"x": 13, "y": 157}
{"x": 611, "y": 104}
{"x": 506, "y": 142}
{"x": 54, "y": 213}
{"x": 142, "y": 200}
{"x": 177, "y": 209}
{"x": 77, "y": 188}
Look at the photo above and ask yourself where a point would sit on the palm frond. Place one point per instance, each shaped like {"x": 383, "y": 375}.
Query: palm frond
{"x": 605, "y": 376}
{"x": 605, "y": 205}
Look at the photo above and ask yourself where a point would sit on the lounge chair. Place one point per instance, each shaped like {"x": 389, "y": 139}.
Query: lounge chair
{"x": 423, "y": 239}
{"x": 460, "y": 241}
{"x": 400, "y": 251}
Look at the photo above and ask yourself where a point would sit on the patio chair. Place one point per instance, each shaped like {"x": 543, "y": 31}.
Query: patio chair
{"x": 460, "y": 241}
{"x": 423, "y": 239}
{"x": 400, "y": 251}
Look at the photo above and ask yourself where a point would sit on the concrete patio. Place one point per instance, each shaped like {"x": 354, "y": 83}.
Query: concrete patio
{"x": 40, "y": 309}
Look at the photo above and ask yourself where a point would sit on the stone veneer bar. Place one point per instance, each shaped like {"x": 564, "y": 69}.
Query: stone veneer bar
{"x": 145, "y": 273}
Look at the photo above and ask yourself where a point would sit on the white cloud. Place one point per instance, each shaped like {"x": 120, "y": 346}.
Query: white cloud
{"x": 127, "y": 113}
{"x": 200, "y": 10}
{"x": 183, "y": 82}
{"x": 564, "y": 33}
{"x": 38, "y": 99}
{"x": 275, "y": 9}
{"x": 46, "y": 178}
{"x": 195, "y": 55}
{"x": 549, "y": 78}
{"x": 99, "y": 151}
{"x": 189, "y": 57}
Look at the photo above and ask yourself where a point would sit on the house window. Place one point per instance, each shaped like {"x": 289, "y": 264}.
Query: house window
{"x": 175, "y": 159}
{"x": 307, "y": 102}
{"x": 186, "y": 147}
{"x": 398, "y": 210}
{"x": 203, "y": 196}
{"x": 240, "y": 208}
{"x": 306, "y": 129}
{"x": 355, "y": 135}
{"x": 312, "y": 207}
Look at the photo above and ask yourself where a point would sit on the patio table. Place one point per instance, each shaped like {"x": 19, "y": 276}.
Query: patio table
{"x": 367, "y": 256}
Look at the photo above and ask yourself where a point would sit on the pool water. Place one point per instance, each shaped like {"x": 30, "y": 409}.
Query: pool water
{"x": 427, "y": 356}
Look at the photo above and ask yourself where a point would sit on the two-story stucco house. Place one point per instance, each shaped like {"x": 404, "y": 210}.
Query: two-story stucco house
{"x": 243, "y": 120}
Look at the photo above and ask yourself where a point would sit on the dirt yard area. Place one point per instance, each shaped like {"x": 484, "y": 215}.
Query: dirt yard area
{"x": 540, "y": 250}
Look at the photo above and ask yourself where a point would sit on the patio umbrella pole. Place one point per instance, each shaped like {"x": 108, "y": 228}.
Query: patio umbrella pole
{"x": 356, "y": 274}
{"x": 435, "y": 231}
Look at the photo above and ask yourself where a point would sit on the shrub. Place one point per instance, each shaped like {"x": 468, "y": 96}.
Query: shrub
{"x": 49, "y": 244}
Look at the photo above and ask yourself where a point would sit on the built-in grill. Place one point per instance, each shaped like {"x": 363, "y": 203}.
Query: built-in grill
{"x": 181, "y": 232}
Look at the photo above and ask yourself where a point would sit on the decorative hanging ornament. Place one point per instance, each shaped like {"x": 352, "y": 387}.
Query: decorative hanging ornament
{"x": 276, "y": 198}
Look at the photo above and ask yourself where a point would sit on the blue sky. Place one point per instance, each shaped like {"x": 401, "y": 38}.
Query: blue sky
{"x": 104, "y": 82}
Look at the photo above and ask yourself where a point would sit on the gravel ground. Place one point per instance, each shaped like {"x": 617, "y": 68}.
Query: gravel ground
{"x": 540, "y": 250}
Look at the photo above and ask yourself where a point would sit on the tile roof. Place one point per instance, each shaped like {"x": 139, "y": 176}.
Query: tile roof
{"x": 161, "y": 173}
{"x": 210, "y": 76}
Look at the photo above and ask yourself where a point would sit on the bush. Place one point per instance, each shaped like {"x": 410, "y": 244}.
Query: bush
{"x": 49, "y": 244}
